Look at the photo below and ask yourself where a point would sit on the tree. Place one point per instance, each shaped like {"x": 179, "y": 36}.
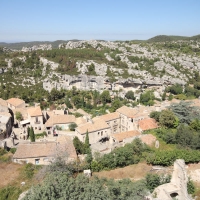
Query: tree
{"x": 147, "y": 98}
{"x": 167, "y": 119}
{"x": 185, "y": 112}
{"x": 154, "y": 180}
{"x": 190, "y": 187}
{"x": 175, "y": 89}
{"x": 105, "y": 97}
{"x": 130, "y": 95}
{"x": 184, "y": 136}
{"x": 18, "y": 115}
{"x": 63, "y": 186}
{"x": 67, "y": 103}
{"x": 28, "y": 132}
{"x": 79, "y": 146}
{"x": 155, "y": 115}
{"x": 72, "y": 126}
{"x": 32, "y": 135}
{"x": 115, "y": 105}
{"x": 87, "y": 142}
{"x": 195, "y": 124}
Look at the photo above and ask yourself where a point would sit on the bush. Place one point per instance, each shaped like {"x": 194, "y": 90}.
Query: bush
{"x": 13, "y": 150}
{"x": 10, "y": 193}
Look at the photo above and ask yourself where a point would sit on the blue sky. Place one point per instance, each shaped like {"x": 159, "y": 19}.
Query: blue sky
{"x": 49, "y": 20}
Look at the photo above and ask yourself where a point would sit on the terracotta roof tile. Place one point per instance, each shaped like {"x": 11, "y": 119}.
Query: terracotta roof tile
{"x": 95, "y": 125}
{"x": 66, "y": 145}
{"x": 148, "y": 139}
{"x": 147, "y": 124}
{"x": 127, "y": 111}
{"x": 110, "y": 116}
{"x": 32, "y": 150}
{"x": 124, "y": 135}
{"x": 34, "y": 111}
{"x": 80, "y": 120}
{"x": 60, "y": 119}
{"x": 15, "y": 101}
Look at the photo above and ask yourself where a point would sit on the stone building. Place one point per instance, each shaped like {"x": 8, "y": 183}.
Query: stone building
{"x": 35, "y": 118}
{"x": 14, "y": 103}
{"x": 44, "y": 153}
{"x": 113, "y": 120}
{"x": 98, "y": 130}
{"x": 5, "y": 125}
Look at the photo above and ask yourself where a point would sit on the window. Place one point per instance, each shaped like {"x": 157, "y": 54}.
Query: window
{"x": 37, "y": 161}
{"x": 101, "y": 133}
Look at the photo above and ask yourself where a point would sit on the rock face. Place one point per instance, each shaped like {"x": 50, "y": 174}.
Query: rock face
{"x": 37, "y": 47}
{"x": 177, "y": 188}
{"x": 82, "y": 82}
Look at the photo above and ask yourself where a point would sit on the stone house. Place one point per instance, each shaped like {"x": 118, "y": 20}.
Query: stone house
{"x": 123, "y": 138}
{"x": 35, "y": 118}
{"x": 62, "y": 121}
{"x": 129, "y": 118}
{"x": 44, "y": 153}
{"x": 5, "y": 125}
{"x": 14, "y": 103}
{"x": 113, "y": 120}
{"x": 98, "y": 130}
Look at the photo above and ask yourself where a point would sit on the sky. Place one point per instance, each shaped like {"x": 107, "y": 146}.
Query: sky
{"x": 50, "y": 20}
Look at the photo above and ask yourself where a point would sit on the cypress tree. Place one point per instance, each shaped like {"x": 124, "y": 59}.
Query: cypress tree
{"x": 87, "y": 143}
{"x": 28, "y": 132}
{"x": 32, "y": 135}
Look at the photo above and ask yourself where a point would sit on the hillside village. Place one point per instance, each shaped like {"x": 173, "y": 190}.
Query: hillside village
{"x": 104, "y": 93}
{"x": 106, "y": 132}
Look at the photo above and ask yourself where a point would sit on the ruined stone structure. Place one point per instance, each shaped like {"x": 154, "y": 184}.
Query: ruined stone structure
{"x": 177, "y": 188}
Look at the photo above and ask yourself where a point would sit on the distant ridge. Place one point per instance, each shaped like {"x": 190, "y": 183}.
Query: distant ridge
{"x": 158, "y": 38}
{"x": 167, "y": 38}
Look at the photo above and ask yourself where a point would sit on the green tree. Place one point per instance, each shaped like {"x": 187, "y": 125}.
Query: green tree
{"x": 190, "y": 187}
{"x": 185, "y": 112}
{"x": 28, "y": 132}
{"x": 130, "y": 95}
{"x": 155, "y": 115}
{"x": 115, "y": 105}
{"x": 147, "y": 98}
{"x": 175, "y": 89}
{"x": 167, "y": 119}
{"x": 79, "y": 146}
{"x": 195, "y": 124}
{"x": 72, "y": 126}
{"x": 105, "y": 97}
{"x": 32, "y": 135}
{"x": 18, "y": 115}
{"x": 154, "y": 180}
{"x": 87, "y": 142}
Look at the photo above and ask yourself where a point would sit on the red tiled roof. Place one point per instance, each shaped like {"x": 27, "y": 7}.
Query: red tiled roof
{"x": 124, "y": 135}
{"x": 147, "y": 124}
{"x": 15, "y": 101}
{"x": 148, "y": 139}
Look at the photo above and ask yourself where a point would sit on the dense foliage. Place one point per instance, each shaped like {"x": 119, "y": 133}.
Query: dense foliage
{"x": 129, "y": 154}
